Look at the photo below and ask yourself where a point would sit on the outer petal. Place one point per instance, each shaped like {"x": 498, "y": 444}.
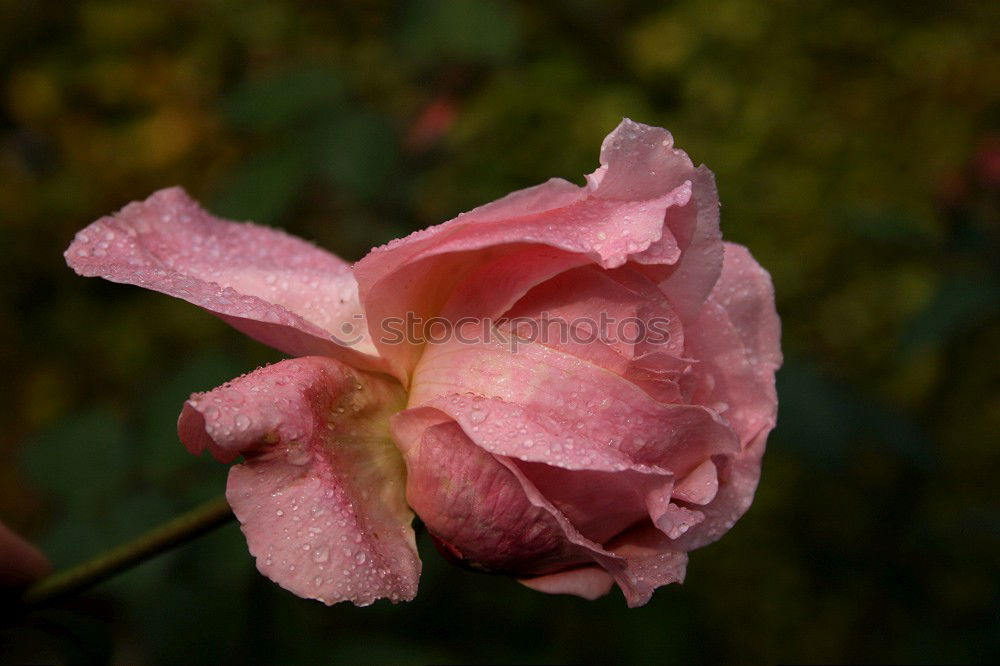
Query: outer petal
{"x": 274, "y": 287}
{"x": 606, "y": 222}
{"x": 541, "y": 405}
{"x": 737, "y": 339}
{"x": 320, "y": 496}
{"x": 473, "y": 505}
{"x": 638, "y": 571}
{"x": 696, "y": 228}
{"x": 20, "y": 562}
{"x": 587, "y": 582}
{"x": 738, "y": 478}
{"x": 486, "y": 512}
{"x": 745, "y": 291}
{"x": 600, "y": 505}
{"x": 653, "y": 561}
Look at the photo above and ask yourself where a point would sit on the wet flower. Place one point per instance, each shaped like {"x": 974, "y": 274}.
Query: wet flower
{"x": 597, "y": 453}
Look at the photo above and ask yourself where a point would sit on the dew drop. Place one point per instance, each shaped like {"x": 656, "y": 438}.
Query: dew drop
{"x": 477, "y": 415}
{"x": 242, "y": 421}
{"x": 298, "y": 453}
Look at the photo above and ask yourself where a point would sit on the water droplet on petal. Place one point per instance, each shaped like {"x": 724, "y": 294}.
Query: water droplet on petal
{"x": 242, "y": 421}
{"x": 298, "y": 453}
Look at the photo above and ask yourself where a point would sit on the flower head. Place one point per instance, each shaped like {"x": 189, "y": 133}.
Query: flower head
{"x": 577, "y": 381}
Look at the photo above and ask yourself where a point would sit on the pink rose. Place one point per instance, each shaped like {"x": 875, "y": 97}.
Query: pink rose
{"x": 570, "y": 385}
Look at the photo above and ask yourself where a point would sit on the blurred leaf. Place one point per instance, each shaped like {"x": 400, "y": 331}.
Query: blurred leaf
{"x": 358, "y": 153}
{"x": 63, "y": 637}
{"x": 816, "y": 418}
{"x": 960, "y": 303}
{"x": 82, "y": 462}
{"x": 266, "y": 184}
{"x": 485, "y": 30}
{"x": 822, "y": 421}
{"x": 73, "y": 539}
{"x": 281, "y": 100}
{"x": 192, "y": 620}
{"x": 887, "y": 226}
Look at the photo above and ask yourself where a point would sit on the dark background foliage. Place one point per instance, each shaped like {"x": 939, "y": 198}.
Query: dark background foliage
{"x": 857, "y": 153}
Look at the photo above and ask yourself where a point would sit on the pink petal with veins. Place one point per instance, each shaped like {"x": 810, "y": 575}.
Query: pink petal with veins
{"x": 636, "y": 569}
{"x": 488, "y": 514}
{"x": 320, "y": 494}
{"x": 274, "y": 287}
{"x": 471, "y": 502}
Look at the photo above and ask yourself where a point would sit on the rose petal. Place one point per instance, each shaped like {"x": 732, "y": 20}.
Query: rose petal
{"x": 687, "y": 282}
{"x": 652, "y": 561}
{"x": 489, "y": 290}
{"x": 473, "y": 504}
{"x": 588, "y": 582}
{"x": 599, "y": 309}
{"x": 639, "y": 162}
{"x": 700, "y": 486}
{"x": 503, "y": 522}
{"x": 737, "y": 338}
{"x": 745, "y": 291}
{"x": 274, "y": 287}
{"x": 637, "y": 569}
{"x": 509, "y": 287}
{"x": 495, "y": 286}
{"x": 738, "y": 479}
{"x": 606, "y": 230}
{"x": 604, "y": 221}
{"x": 674, "y": 520}
{"x": 541, "y": 405}
{"x": 737, "y": 363}
{"x": 600, "y": 505}
{"x": 320, "y": 496}
{"x": 20, "y": 562}
{"x": 616, "y": 319}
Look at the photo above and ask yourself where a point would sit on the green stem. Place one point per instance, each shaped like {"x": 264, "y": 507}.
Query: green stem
{"x": 178, "y": 531}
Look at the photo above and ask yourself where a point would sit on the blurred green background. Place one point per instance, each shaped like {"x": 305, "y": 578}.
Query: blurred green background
{"x": 857, "y": 150}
